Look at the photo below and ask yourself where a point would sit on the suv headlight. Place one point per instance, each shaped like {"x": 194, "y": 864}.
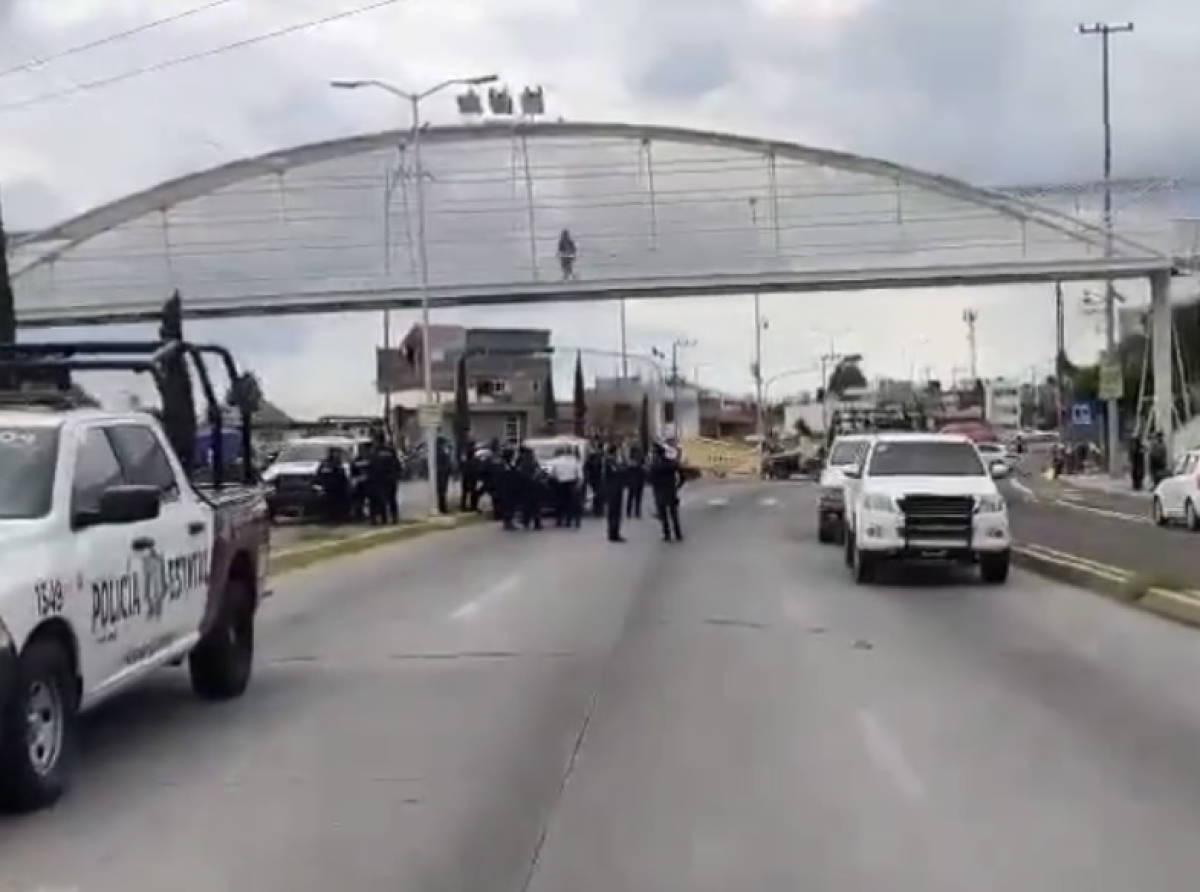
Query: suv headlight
{"x": 990, "y": 504}
{"x": 879, "y": 502}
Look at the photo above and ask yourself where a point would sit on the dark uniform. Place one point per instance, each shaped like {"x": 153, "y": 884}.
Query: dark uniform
{"x": 529, "y": 484}
{"x": 666, "y": 477}
{"x": 635, "y": 483}
{"x": 613, "y": 486}
{"x": 445, "y": 467}
{"x": 593, "y": 478}
{"x": 469, "y": 482}
{"x": 505, "y": 487}
{"x": 331, "y": 477}
{"x": 383, "y": 482}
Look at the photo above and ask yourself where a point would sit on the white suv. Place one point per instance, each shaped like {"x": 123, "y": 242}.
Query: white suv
{"x": 926, "y": 497}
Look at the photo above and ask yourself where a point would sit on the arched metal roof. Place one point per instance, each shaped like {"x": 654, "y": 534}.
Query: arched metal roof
{"x": 63, "y": 237}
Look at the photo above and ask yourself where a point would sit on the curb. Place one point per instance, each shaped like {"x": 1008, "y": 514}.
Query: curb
{"x": 1119, "y": 585}
{"x": 292, "y": 559}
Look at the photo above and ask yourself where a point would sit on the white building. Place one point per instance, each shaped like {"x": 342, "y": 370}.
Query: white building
{"x": 1002, "y": 403}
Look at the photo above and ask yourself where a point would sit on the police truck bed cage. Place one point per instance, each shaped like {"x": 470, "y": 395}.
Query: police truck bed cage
{"x": 869, "y": 420}
{"x": 39, "y": 374}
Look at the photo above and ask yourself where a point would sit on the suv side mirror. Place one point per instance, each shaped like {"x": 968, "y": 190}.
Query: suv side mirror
{"x": 1000, "y": 470}
{"x": 122, "y": 505}
{"x": 852, "y": 473}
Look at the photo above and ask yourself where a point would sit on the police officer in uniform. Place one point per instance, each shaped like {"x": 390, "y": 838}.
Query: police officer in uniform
{"x": 635, "y": 483}
{"x": 331, "y": 477}
{"x": 666, "y": 477}
{"x": 505, "y": 488}
{"x": 613, "y": 487}
{"x": 360, "y": 486}
{"x": 529, "y": 483}
{"x": 383, "y": 481}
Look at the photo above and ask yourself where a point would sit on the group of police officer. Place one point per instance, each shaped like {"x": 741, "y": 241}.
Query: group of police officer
{"x": 365, "y": 487}
{"x": 523, "y": 489}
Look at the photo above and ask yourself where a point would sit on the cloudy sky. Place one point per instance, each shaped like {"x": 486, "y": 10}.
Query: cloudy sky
{"x": 993, "y": 92}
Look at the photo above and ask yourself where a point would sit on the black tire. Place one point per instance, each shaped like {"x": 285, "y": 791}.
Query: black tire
{"x": 223, "y": 661}
{"x": 993, "y": 568}
{"x": 1157, "y": 514}
{"x": 824, "y": 533}
{"x": 863, "y": 565}
{"x": 43, "y": 670}
{"x": 1191, "y": 518}
{"x": 848, "y": 548}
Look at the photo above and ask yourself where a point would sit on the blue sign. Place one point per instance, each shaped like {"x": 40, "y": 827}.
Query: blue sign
{"x": 1081, "y": 414}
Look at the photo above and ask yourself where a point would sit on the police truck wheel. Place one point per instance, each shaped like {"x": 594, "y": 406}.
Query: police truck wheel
{"x": 863, "y": 564}
{"x": 223, "y": 661}
{"x": 993, "y": 568}
{"x": 37, "y": 731}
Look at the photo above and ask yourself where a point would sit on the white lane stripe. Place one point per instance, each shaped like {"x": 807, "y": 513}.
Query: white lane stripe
{"x": 718, "y": 502}
{"x": 1024, "y": 490}
{"x": 470, "y": 609}
{"x": 769, "y": 502}
{"x": 885, "y": 752}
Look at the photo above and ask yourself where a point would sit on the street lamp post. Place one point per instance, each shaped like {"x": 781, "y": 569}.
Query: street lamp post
{"x": 1105, "y": 30}
{"x": 414, "y": 101}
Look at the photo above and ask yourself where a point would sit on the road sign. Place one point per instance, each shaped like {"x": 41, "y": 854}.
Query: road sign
{"x": 430, "y": 415}
{"x": 1081, "y": 414}
{"x": 1112, "y": 382}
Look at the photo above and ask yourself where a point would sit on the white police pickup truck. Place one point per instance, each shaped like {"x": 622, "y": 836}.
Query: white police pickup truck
{"x": 114, "y": 565}
{"x": 926, "y": 497}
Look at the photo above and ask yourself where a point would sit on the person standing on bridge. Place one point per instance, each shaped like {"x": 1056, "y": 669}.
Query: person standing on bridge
{"x": 567, "y": 252}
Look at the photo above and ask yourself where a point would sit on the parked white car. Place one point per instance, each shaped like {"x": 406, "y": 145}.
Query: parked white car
{"x": 1177, "y": 498}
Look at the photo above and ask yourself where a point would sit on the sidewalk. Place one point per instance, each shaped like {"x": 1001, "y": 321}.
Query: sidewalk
{"x": 1105, "y": 484}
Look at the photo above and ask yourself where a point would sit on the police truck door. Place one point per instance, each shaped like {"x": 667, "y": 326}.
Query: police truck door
{"x": 176, "y": 571}
{"x": 107, "y": 612}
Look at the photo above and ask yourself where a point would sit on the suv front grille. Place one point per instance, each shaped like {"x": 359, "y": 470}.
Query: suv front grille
{"x": 938, "y": 518}
{"x": 294, "y": 482}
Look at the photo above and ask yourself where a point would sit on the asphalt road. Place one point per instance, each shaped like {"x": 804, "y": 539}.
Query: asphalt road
{"x": 490, "y": 712}
{"x": 1111, "y": 528}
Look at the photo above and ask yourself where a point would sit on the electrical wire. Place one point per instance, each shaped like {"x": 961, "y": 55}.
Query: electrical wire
{"x": 101, "y": 83}
{"x": 41, "y": 61}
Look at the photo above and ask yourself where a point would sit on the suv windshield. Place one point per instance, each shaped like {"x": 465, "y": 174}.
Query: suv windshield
{"x": 846, "y": 453}
{"x": 307, "y": 452}
{"x": 925, "y": 458}
{"x": 28, "y": 456}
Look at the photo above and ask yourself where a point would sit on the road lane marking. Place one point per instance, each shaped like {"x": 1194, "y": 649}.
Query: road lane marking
{"x": 769, "y": 502}
{"x": 718, "y": 502}
{"x": 885, "y": 752}
{"x": 1103, "y": 512}
{"x": 471, "y": 609}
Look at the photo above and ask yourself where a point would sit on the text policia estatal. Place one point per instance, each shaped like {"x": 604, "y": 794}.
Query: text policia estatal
{"x": 146, "y": 586}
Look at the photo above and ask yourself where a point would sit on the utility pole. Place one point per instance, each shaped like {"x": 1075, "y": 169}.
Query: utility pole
{"x": 1105, "y": 30}
{"x": 1060, "y": 355}
{"x": 971, "y": 317}
{"x": 8, "y": 307}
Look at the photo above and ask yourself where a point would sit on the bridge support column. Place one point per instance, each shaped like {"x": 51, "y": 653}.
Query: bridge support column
{"x": 1162, "y": 354}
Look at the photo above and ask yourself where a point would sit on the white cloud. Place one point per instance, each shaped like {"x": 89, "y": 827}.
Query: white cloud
{"x": 989, "y": 96}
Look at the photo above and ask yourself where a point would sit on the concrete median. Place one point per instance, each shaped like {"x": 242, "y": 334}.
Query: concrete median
{"x": 343, "y": 544}
{"x": 1162, "y": 597}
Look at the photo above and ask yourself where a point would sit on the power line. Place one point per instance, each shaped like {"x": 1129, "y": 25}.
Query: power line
{"x": 41, "y": 61}
{"x": 101, "y": 83}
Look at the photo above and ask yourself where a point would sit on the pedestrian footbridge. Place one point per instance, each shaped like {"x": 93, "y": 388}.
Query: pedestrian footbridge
{"x": 654, "y": 211}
